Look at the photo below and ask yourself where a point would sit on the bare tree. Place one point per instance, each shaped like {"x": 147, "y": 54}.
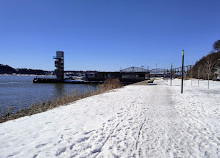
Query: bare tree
{"x": 209, "y": 65}
{"x": 217, "y": 69}
{"x": 199, "y": 73}
{"x": 216, "y": 45}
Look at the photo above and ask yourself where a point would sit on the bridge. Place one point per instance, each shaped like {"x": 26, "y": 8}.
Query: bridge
{"x": 176, "y": 72}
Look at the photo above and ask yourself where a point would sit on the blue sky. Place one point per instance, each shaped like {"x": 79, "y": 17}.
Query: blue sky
{"x": 106, "y": 34}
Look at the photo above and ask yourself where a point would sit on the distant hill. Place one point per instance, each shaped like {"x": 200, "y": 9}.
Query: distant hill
{"x": 5, "y": 69}
{"x": 209, "y": 62}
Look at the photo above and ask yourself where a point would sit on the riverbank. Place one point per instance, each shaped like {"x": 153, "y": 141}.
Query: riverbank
{"x": 133, "y": 121}
{"x": 41, "y": 106}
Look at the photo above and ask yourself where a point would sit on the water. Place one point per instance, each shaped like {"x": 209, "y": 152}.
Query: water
{"x": 20, "y": 92}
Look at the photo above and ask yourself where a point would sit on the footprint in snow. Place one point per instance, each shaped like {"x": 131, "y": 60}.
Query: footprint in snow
{"x": 60, "y": 151}
{"x": 40, "y": 145}
{"x": 82, "y": 139}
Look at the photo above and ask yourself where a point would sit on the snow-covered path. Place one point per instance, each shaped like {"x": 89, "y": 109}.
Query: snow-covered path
{"x": 134, "y": 121}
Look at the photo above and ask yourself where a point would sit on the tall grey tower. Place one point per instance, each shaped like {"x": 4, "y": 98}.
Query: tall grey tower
{"x": 59, "y": 64}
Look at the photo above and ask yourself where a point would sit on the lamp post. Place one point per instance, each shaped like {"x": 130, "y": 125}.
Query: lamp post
{"x": 191, "y": 73}
{"x": 182, "y": 71}
{"x": 171, "y": 74}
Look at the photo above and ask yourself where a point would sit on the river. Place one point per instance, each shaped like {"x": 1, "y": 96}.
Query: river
{"x": 20, "y": 92}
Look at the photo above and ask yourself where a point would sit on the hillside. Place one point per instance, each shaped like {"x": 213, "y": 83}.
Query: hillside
{"x": 207, "y": 64}
{"x": 5, "y": 69}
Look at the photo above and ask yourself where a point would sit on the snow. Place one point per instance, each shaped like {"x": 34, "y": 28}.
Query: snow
{"x": 135, "y": 121}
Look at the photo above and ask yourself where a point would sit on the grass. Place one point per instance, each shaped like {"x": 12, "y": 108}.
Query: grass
{"x": 60, "y": 101}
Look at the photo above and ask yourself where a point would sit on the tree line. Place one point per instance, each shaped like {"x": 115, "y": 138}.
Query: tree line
{"x": 208, "y": 67}
{"x": 5, "y": 69}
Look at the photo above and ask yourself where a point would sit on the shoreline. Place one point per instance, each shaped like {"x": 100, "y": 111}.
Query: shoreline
{"x": 60, "y": 101}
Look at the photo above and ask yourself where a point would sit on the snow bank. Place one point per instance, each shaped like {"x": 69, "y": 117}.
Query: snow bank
{"x": 134, "y": 121}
